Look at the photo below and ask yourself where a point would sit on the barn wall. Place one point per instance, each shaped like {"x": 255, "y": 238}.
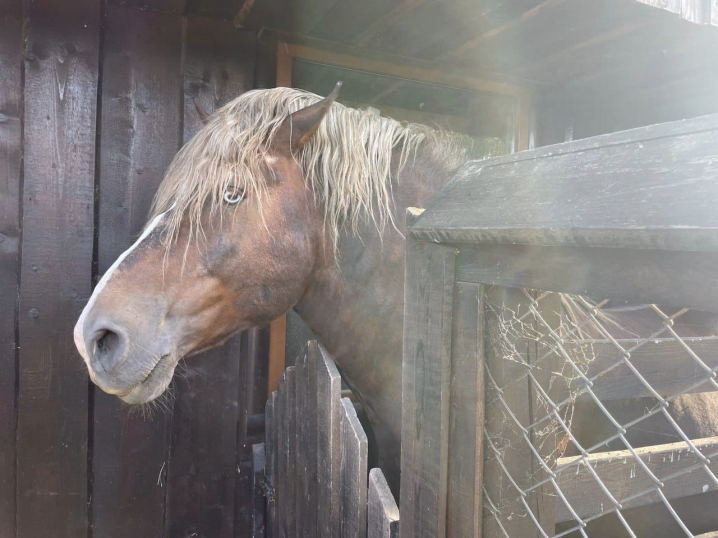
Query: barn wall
{"x": 95, "y": 99}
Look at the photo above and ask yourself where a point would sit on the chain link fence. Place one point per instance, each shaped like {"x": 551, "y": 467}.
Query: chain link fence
{"x": 601, "y": 417}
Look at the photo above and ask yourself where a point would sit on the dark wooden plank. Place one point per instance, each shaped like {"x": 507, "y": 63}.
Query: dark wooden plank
{"x": 352, "y": 473}
{"x": 61, "y": 77}
{"x": 466, "y": 415}
{"x": 428, "y": 298}
{"x": 685, "y": 279}
{"x": 219, "y": 65}
{"x": 282, "y": 449}
{"x": 11, "y": 23}
{"x": 329, "y": 386}
{"x": 310, "y": 440}
{"x": 624, "y": 477}
{"x": 649, "y": 187}
{"x": 270, "y": 441}
{"x": 288, "y": 474}
{"x": 300, "y": 434}
{"x": 505, "y": 445}
{"x": 140, "y": 133}
{"x": 382, "y": 511}
{"x": 258, "y": 506}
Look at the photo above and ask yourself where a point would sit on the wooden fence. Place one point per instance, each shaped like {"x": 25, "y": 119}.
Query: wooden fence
{"x": 510, "y": 247}
{"x": 312, "y": 468}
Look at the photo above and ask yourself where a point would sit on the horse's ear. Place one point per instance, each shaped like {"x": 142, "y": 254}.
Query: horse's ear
{"x": 299, "y": 127}
{"x": 203, "y": 114}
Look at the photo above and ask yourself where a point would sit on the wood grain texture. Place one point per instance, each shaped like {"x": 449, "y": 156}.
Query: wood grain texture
{"x": 352, "y": 473}
{"x": 300, "y": 437}
{"x": 258, "y": 505}
{"x": 270, "y": 437}
{"x": 202, "y": 478}
{"x": 466, "y": 414}
{"x": 311, "y": 440}
{"x": 329, "y": 385}
{"x": 10, "y": 172}
{"x": 61, "y": 77}
{"x": 687, "y": 279}
{"x": 219, "y": 66}
{"x": 141, "y": 132}
{"x": 382, "y": 511}
{"x": 428, "y": 297}
{"x": 624, "y": 477}
{"x": 649, "y": 187}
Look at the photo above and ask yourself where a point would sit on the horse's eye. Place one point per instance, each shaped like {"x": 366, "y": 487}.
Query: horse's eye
{"x": 233, "y": 195}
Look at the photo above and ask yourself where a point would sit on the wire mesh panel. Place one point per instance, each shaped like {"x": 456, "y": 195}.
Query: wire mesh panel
{"x": 601, "y": 417}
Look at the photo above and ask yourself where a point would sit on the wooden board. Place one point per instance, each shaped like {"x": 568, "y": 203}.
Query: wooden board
{"x": 300, "y": 439}
{"x": 428, "y": 296}
{"x": 329, "y": 385}
{"x": 352, "y": 473}
{"x": 140, "y": 133}
{"x": 685, "y": 279}
{"x": 624, "y": 477}
{"x": 10, "y": 171}
{"x": 61, "y": 77}
{"x": 258, "y": 506}
{"x": 466, "y": 415}
{"x": 271, "y": 469}
{"x": 382, "y": 511}
{"x": 218, "y": 66}
{"x": 649, "y": 187}
{"x": 652, "y": 360}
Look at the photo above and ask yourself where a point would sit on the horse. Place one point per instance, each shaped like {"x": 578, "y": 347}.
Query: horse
{"x": 283, "y": 200}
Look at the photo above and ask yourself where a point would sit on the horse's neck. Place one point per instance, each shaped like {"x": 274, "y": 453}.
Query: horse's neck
{"x": 356, "y": 307}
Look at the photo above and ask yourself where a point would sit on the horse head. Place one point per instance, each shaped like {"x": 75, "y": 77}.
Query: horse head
{"x": 232, "y": 244}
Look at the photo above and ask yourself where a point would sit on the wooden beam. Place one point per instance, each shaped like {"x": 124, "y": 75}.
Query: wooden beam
{"x": 385, "y": 21}
{"x": 674, "y": 464}
{"x": 476, "y": 41}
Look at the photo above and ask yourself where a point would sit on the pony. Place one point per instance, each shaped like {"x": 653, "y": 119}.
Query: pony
{"x": 283, "y": 200}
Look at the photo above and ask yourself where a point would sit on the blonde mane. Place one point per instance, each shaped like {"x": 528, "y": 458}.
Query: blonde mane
{"x": 347, "y": 162}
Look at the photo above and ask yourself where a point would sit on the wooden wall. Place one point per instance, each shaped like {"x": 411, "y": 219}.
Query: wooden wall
{"x": 95, "y": 100}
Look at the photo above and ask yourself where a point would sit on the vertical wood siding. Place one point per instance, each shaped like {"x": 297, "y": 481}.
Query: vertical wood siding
{"x": 95, "y": 100}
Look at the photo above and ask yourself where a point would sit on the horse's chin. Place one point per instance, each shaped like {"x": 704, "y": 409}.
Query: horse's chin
{"x": 154, "y": 385}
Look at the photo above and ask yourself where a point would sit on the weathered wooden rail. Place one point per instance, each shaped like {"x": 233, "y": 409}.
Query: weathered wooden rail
{"x": 310, "y": 475}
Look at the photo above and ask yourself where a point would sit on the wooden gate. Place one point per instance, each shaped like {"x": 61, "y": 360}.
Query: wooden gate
{"x": 310, "y": 477}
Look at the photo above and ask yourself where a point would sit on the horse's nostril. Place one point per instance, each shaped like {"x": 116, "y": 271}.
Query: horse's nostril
{"x": 107, "y": 348}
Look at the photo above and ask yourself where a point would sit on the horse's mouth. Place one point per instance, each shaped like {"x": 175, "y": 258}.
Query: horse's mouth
{"x": 146, "y": 389}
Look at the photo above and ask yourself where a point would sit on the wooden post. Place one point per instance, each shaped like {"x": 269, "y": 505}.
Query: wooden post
{"x": 352, "y": 474}
{"x": 329, "y": 385}
{"x": 258, "y": 504}
{"x": 466, "y": 416}
{"x": 428, "y": 298}
{"x": 382, "y": 511}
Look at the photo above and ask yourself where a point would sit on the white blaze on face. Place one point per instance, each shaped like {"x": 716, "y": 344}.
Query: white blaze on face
{"x": 79, "y": 337}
